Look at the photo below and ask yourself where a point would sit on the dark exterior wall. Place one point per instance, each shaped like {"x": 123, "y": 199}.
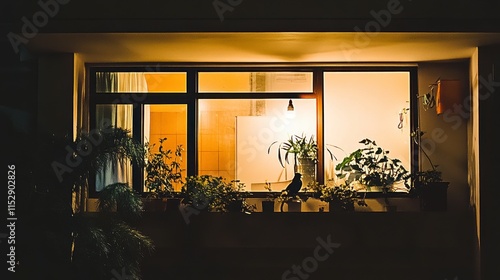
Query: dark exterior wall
{"x": 489, "y": 85}
{"x": 55, "y": 95}
{"x": 56, "y": 86}
{"x": 257, "y": 15}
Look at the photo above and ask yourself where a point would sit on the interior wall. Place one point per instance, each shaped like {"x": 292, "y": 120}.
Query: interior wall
{"x": 445, "y": 138}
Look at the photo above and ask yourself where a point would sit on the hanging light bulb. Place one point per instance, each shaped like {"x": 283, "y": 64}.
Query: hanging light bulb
{"x": 290, "y": 110}
{"x": 290, "y": 106}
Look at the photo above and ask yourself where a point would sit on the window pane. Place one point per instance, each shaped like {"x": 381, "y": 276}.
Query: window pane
{"x": 119, "y": 116}
{"x": 147, "y": 82}
{"x": 255, "y": 82}
{"x": 361, "y": 105}
{"x": 234, "y": 136}
{"x": 167, "y": 121}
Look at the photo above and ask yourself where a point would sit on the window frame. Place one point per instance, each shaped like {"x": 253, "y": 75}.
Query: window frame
{"x": 191, "y": 97}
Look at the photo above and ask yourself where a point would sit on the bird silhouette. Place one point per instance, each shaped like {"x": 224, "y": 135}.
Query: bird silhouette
{"x": 292, "y": 189}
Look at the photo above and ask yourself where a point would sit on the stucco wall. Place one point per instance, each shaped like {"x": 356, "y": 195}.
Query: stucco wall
{"x": 445, "y": 138}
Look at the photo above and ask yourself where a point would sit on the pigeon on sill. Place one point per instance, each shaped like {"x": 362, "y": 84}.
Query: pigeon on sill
{"x": 292, "y": 189}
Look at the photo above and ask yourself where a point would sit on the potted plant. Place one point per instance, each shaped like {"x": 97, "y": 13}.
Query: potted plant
{"x": 214, "y": 194}
{"x": 87, "y": 245}
{"x": 305, "y": 155}
{"x": 269, "y": 200}
{"x": 340, "y": 198}
{"x": 429, "y": 184}
{"x": 371, "y": 168}
{"x": 163, "y": 170}
{"x": 232, "y": 197}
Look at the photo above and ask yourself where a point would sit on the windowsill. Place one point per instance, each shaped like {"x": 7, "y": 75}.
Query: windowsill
{"x": 368, "y": 194}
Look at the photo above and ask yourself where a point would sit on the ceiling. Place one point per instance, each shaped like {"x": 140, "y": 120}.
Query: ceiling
{"x": 330, "y": 47}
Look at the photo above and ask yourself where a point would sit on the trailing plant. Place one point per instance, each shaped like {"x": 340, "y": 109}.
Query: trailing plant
{"x": 163, "y": 170}
{"x": 215, "y": 194}
{"x": 342, "y": 196}
{"x": 424, "y": 178}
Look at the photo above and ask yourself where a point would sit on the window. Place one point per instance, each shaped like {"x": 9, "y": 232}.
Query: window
{"x": 166, "y": 121}
{"x": 234, "y": 82}
{"x": 146, "y": 82}
{"x": 235, "y": 134}
{"x": 226, "y": 118}
{"x": 362, "y": 105}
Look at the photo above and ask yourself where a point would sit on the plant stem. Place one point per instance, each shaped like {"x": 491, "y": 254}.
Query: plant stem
{"x": 418, "y": 141}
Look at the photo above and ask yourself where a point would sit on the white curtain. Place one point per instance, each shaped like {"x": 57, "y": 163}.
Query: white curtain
{"x": 119, "y": 115}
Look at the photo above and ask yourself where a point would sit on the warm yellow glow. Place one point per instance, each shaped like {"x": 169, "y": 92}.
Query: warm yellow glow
{"x": 234, "y": 135}
{"x": 168, "y": 108}
{"x": 166, "y": 82}
{"x": 361, "y": 105}
{"x": 255, "y": 82}
{"x": 168, "y": 121}
{"x": 224, "y": 82}
{"x": 310, "y": 47}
